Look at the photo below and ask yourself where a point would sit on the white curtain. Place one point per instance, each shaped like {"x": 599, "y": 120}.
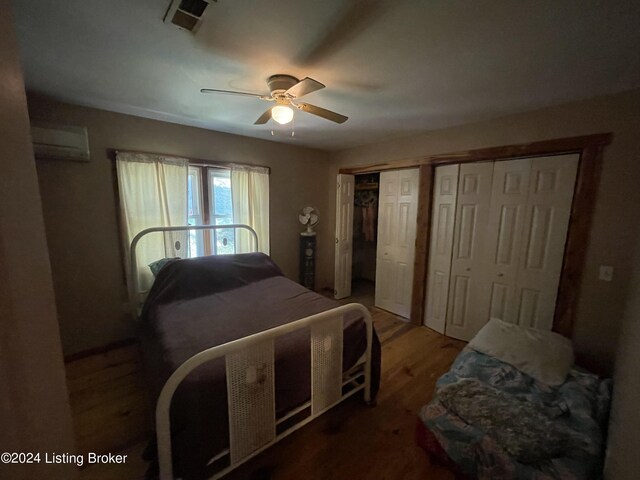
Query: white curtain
{"x": 250, "y": 193}
{"x": 153, "y": 193}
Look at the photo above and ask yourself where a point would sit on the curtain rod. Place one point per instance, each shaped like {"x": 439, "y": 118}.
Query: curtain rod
{"x": 198, "y": 162}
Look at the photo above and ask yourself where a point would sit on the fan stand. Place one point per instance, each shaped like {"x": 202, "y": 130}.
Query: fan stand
{"x": 308, "y": 259}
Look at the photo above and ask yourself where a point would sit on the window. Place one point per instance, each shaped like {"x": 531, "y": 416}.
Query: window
{"x": 195, "y": 211}
{"x": 166, "y": 191}
{"x": 221, "y": 210}
{"x": 210, "y": 203}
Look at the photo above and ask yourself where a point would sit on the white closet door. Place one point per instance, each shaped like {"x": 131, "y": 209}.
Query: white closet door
{"x": 441, "y": 245}
{"x": 397, "y": 217}
{"x": 551, "y": 186}
{"x": 344, "y": 236}
{"x": 510, "y": 191}
{"x": 468, "y": 306}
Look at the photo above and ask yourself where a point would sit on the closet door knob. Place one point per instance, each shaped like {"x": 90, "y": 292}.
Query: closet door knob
{"x": 468, "y": 269}
{"x": 501, "y": 274}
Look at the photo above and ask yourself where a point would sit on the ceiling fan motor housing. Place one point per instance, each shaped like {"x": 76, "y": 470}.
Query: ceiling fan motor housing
{"x": 278, "y": 84}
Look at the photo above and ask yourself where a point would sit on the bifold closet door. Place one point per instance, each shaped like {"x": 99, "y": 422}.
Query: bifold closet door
{"x": 445, "y": 188}
{"x": 508, "y": 247}
{"x": 551, "y": 185}
{"x": 397, "y": 217}
{"x": 344, "y": 236}
{"x": 509, "y": 195}
{"x": 468, "y": 305}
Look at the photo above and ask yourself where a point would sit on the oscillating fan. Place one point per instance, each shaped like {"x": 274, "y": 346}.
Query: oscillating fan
{"x": 309, "y": 217}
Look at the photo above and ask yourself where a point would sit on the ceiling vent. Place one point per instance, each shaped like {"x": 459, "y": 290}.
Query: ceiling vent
{"x": 186, "y": 14}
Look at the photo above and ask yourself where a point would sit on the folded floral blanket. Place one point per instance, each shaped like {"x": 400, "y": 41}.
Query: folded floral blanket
{"x": 496, "y": 422}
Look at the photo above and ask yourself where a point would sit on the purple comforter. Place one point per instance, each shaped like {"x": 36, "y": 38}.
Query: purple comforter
{"x": 199, "y": 303}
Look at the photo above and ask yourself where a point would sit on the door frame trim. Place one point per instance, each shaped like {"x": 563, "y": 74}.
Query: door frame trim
{"x": 589, "y": 147}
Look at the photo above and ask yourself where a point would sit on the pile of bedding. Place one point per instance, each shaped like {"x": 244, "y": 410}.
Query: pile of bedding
{"x": 493, "y": 417}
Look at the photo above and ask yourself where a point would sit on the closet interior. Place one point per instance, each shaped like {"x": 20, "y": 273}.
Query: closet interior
{"x": 365, "y": 234}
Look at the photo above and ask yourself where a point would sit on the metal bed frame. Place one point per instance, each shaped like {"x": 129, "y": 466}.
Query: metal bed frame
{"x": 250, "y": 376}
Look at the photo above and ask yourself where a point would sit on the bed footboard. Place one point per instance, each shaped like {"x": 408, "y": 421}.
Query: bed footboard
{"x": 250, "y": 378}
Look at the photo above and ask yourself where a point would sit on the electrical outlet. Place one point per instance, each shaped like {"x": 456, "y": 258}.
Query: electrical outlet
{"x": 606, "y": 273}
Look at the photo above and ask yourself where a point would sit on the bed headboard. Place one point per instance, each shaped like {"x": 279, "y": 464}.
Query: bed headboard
{"x": 172, "y": 237}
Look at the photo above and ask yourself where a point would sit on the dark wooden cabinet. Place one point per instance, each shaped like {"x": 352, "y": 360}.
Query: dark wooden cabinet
{"x": 308, "y": 260}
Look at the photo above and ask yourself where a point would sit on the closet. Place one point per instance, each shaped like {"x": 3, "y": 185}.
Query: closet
{"x": 365, "y": 231}
{"x": 498, "y": 232}
{"x": 386, "y": 252}
{"x": 357, "y": 205}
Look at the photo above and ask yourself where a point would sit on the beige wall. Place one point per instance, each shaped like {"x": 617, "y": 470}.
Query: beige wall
{"x": 80, "y": 208}
{"x": 79, "y": 204}
{"x": 623, "y": 462}
{"x": 34, "y": 405}
{"x": 618, "y": 202}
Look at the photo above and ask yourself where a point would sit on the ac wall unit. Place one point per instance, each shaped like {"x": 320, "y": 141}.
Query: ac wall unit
{"x": 60, "y": 142}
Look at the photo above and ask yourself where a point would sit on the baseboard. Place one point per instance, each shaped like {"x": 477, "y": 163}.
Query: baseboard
{"x": 99, "y": 350}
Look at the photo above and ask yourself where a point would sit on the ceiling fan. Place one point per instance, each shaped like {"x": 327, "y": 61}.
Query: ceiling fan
{"x": 285, "y": 90}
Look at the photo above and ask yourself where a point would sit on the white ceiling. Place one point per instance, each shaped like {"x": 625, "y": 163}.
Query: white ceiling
{"x": 395, "y": 67}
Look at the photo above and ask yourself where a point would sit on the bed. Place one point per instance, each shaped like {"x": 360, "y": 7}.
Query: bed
{"x": 490, "y": 420}
{"x": 238, "y": 356}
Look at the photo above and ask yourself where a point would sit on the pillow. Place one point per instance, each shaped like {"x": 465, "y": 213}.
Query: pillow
{"x": 543, "y": 355}
{"x": 198, "y": 277}
{"x": 156, "y": 266}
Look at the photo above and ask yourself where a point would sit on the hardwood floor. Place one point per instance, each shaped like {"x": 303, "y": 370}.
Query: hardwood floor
{"x": 350, "y": 441}
{"x": 108, "y": 400}
{"x": 362, "y": 291}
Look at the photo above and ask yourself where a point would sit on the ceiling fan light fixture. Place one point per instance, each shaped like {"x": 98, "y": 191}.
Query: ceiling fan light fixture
{"x": 282, "y": 114}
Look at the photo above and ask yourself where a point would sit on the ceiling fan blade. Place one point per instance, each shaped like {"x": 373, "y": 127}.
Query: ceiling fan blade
{"x": 230, "y": 92}
{"x": 322, "y": 112}
{"x": 264, "y": 118}
{"x": 304, "y": 87}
